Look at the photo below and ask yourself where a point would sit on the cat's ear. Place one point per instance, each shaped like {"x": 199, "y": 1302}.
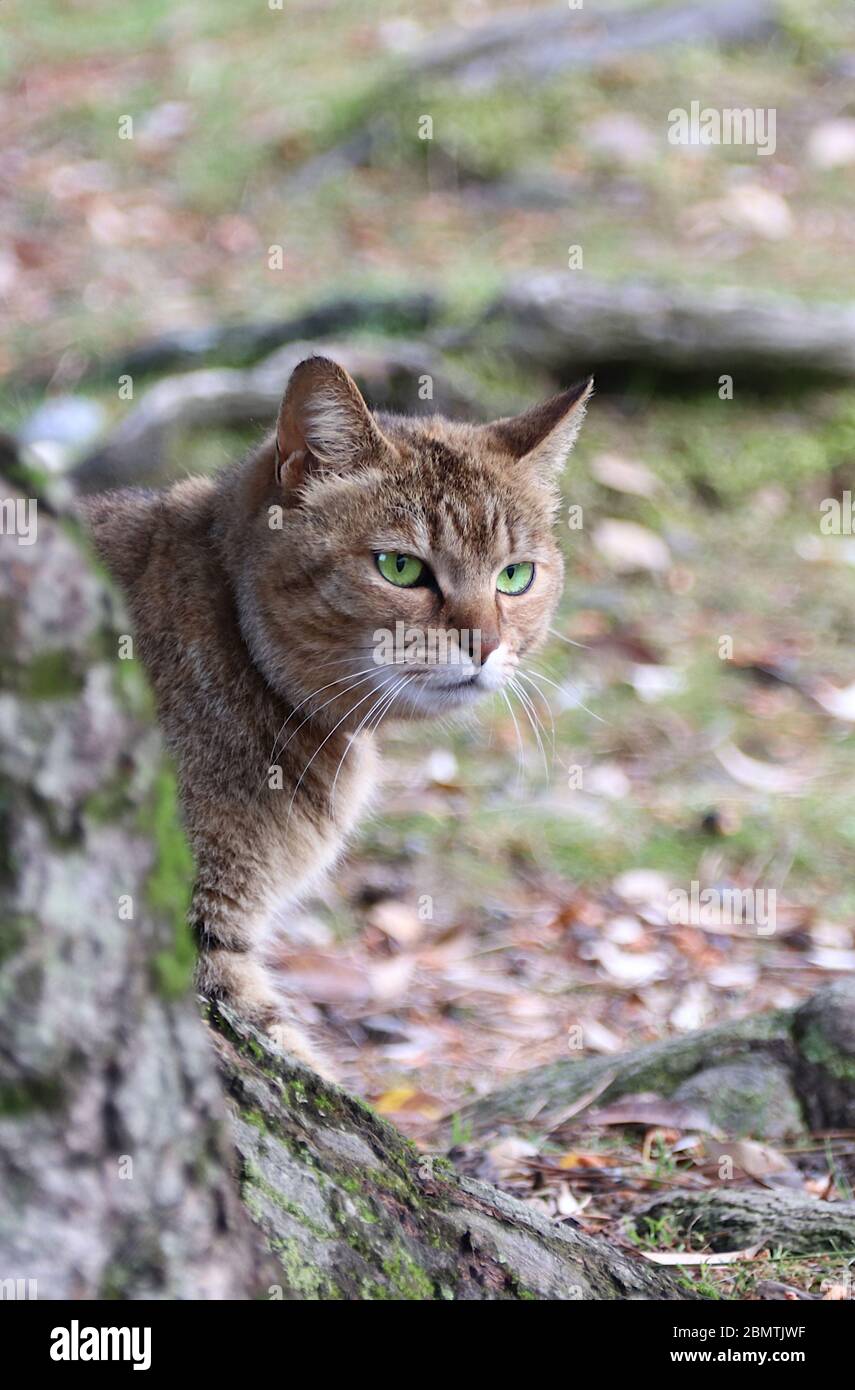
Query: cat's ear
{"x": 541, "y": 438}
{"x": 323, "y": 423}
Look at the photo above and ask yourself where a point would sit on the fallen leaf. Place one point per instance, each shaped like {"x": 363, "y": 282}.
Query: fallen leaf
{"x": 759, "y": 776}
{"x": 567, "y": 1204}
{"x": 828, "y": 959}
{"x": 626, "y": 546}
{"x": 390, "y": 978}
{"x": 652, "y": 683}
{"x": 393, "y": 1100}
{"x": 442, "y": 769}
{"x": 630, "y": 968}
{"x": 642, "y": 886}
{"x": 608, "y": 780}
{"x": 758, "y": 1161}
{"x": 840, "y": 703}
{"x": 406, "y": 1100}
{"x": 648, "y": 1110}
{"x": 599, "y": 1038}
{"x": 688, "y": 1257}
{"x": 397, "y": 920}
{"x": 624, "y": 475}
{"x": 753, "y": 208}
{"x": 831, "y": 144}
{"x": 508, "y": 1156}
{"x": 579, "y": 1162}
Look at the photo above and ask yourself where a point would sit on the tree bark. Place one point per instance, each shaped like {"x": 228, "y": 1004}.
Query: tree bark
{"x": 351, "y": 1210}
{"x": 114, "y": 1142}
{"x": 734, "y": 1220}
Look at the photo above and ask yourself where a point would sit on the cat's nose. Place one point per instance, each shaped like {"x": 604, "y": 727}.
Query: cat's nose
{"x": 489, "y": 642}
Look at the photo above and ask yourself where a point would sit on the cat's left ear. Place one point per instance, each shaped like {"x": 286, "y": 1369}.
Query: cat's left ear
{"x": 541, "y": 438}
{"x": 324, "y": 424}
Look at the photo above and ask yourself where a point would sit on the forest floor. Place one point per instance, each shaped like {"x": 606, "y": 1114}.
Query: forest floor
{"x": 698, "y": 699}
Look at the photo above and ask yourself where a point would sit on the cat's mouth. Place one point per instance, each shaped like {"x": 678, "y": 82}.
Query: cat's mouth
{"x": 466, "y": 683}
{"x": 434, "y": 694}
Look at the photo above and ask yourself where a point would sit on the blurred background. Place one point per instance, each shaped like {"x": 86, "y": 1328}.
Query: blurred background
{"x": 484, "y": 196}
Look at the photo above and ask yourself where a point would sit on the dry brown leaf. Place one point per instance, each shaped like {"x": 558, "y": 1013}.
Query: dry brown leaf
{"x": 758, "y": 1161}
{"x": 397, "y": 920}
{"x": 508, "y": 1156}
{"x": 650, "y": 1110}
{"x": 581, "y": 1160}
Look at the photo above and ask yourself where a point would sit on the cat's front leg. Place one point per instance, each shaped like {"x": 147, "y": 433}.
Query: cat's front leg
{"x": 230, "y": 920}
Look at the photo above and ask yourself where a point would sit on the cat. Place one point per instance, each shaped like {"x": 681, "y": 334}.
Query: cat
{"x": 260, "y": 600}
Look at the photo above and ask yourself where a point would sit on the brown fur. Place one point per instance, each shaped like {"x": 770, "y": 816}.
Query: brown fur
{"x": 255, "y": 599}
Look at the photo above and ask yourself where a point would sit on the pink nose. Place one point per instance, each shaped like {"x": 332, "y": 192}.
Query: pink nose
{"x": 488, "y": 644}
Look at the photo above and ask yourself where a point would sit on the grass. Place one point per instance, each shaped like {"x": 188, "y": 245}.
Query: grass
{"x": 174, "y": 226}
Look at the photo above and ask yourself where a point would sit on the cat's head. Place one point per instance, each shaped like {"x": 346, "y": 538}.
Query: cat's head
{"x": 409, "y": 562}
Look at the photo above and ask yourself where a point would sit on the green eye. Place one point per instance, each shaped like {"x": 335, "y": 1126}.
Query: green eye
{"x": 515, "y": 579}
{"x": 403, "y": 570}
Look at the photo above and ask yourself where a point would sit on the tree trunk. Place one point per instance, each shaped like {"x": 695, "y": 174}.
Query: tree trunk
{"x": 114, "y": 1143}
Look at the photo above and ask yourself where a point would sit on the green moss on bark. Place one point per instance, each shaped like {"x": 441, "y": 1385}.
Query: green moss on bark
{"x": 169, "y": 884}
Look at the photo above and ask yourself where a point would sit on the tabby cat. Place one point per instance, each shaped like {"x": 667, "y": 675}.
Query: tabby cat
{"x": 263, "y": 601}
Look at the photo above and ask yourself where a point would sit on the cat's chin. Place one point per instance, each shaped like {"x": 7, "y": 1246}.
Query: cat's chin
{"x": 428, "y": 698}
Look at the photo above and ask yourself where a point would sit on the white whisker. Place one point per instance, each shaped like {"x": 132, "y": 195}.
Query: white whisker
{"x": 532, "y": 717}
{"x": 338, "y": 695}
{"x": 562, "y": 690}
{"x": 352, "y": 738}
{"x": 526, "y": 676}
{"x": 520, "y": 748}
{"x": 569, "y": 640}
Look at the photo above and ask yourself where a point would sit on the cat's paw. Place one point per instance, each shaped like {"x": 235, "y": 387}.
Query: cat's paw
{"x": 294, "y": 1042}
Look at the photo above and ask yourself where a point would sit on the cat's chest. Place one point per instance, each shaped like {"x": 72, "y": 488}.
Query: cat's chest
{"x": 315, "y": 817}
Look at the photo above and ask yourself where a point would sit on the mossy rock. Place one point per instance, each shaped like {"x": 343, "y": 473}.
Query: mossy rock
{"x": 753, "y": 1098}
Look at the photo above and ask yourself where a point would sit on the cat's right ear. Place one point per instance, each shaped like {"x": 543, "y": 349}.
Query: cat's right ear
{"x": 324, "y": 424}
{"x": 541, "y": 438}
